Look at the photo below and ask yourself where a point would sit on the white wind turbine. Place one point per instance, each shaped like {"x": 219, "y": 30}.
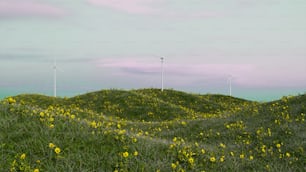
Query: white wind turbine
{"x": 162, "y": 73}
{"x": 54, "y": 77}
{"x": 229, "y": 81}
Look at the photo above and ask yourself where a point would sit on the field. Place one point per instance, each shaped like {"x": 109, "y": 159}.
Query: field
{"x": 149, "y": 130}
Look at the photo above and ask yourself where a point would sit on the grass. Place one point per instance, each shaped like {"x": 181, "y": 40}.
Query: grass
{"x": 149, "y": 130}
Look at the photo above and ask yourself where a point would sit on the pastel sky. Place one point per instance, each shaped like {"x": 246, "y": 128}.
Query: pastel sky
{"x": 102, "y": 44}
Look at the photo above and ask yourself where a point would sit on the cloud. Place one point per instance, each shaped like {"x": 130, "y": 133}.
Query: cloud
{"x": 161, "y": 8}
{"x": 135, "y": 66}
{"x": 28, "y": 8}
{"x": 181, "y": 73}
{"x": 179, "y": 69}
{"x": 129, "y": 6}
{"x": 22, "y": 57}
{"x": 130, "y": 66}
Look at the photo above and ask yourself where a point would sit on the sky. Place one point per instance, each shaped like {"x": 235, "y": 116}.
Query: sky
{"x": 113, "y": 44}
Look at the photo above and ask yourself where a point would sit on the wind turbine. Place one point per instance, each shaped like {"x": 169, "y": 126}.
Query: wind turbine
{"x": 54, "y": 77}
{"x": 162, "y": 73}
{"x": 229, "y": 80}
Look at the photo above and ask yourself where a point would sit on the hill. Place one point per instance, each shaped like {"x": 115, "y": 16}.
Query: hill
{"x": 149, "y": 130}
{"x": 145, "y": 104}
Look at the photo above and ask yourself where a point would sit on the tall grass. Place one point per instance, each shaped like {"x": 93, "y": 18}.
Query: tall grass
{"x": 149, "y": 130}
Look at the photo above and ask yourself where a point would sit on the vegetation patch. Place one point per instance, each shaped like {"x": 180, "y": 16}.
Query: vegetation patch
{"x": 150, "y": 130}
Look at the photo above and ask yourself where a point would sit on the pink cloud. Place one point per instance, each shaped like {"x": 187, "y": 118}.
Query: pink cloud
{"x": 151, "y": 7}
{"x": 28, "y": 8}
{"x": 136, "y": 66}
{"x": 129, "y": 6}
{"x": 244, "y": 75}
{"x": 175, "y": 68}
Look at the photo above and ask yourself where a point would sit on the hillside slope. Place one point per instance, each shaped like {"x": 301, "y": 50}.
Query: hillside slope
{"x": 145, "y": 104}
{"x": 105, "y": 131}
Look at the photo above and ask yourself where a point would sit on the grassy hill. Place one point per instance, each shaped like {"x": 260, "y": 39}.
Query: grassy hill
{"x": 150, "y": 130}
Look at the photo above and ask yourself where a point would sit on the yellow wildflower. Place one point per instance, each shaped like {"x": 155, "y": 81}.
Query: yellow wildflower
{"x": 11, "y": 100}
{"x": 23, "y": 156}
{"x": 51, "y": 119}
{"x": 191, "y": 160}
{"x": 135, "y": 153}
{"x": 125, "y": 154}
{"x": 93, "y": 124}
{"x": 173, "y": 166}
{"x": 222, "y": 145}
{"x": 222, "y": 159}
{"x": 41, "y": 114}
{"x": 174, "y": 139}
{"x": 57, "y": 150}
{"x": 51, "y": 145}
{"x": 203, "y": 151}
{"x": 212, "y": 159}
{"x": 36, "y": 170}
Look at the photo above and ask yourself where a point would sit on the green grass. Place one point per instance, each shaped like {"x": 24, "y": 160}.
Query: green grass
{"x": 169, "y": 131}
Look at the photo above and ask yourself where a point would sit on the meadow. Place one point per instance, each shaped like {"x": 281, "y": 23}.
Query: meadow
{"x": 149, "y": 130}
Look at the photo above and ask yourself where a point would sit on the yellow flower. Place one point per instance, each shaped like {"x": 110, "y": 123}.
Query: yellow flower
{"x": 269, "y": 132}
{"x": 251, "y": 157}
{"x": 11, "y": 100}
{"x": 278, "y": 145}
{"x": 51, "y": 145}
{"x": 41, "y": 114}
{"x": 36, "y": 170}
{"x": 173, "y": 166}
{"x": 23, "y": 156}
{"x": 135, "y": 153}
{"x": 125, "y": 154}
{"x": 93, "y": 124}
{"x": 242, "y": 156}
{"x": 222, "y": 159}
{"x": 57, "y": 150}
{"x": 222, "y": 145}
{"x": 51, "y": 119}
{"x": 174, "y": 139}
{"x": 288, "y": 154}
{"x": 212, "y": 159}
{"x": 203, "y": 151}
{"x": 191, "y": 160}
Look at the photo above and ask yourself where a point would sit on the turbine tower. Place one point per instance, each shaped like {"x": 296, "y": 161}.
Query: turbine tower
{"x": 162, "y": 73}
{"x": 54, "y": 78}
{"x": 229, "y": 80}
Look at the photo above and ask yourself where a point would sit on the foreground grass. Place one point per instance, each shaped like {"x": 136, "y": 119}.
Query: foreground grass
{"x": 146, "y": 130}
